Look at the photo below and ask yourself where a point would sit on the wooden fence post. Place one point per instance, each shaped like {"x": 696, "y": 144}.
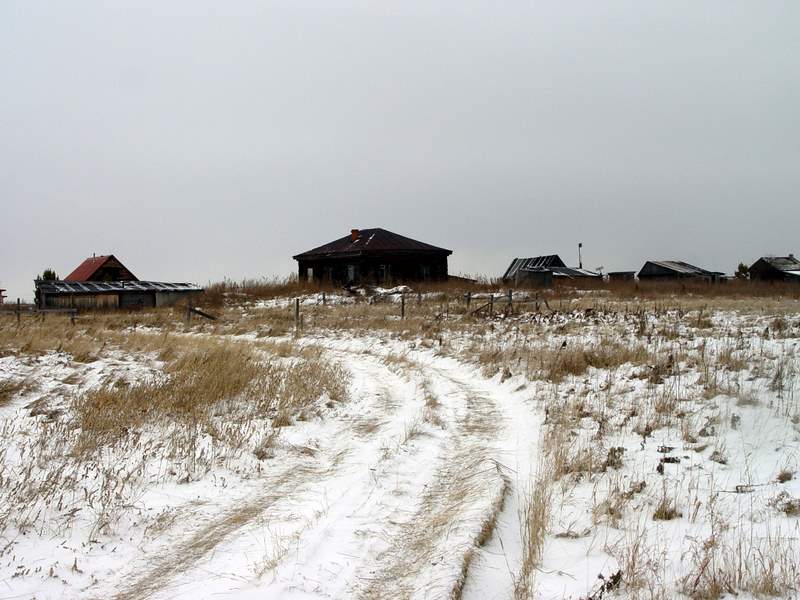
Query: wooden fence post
{"x": 402, "y": 306}
{"x": 297, "y": 313}
{"x": 419, "y": 298}
{"x": 19, "y": 312}
{"x": 510, "y": 299}
{"x": 323, "y": 298}
{"x": 491, "y": 303}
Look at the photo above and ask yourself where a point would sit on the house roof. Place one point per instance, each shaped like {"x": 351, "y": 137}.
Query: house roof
{"x": 782, "y": 263}
{"x": 371, "y": 241}
{"x": 548, "y": 262}
{"x": 86, "y": 270}
{"x": 681, "y": 267}
{"x": 95, "y": 287}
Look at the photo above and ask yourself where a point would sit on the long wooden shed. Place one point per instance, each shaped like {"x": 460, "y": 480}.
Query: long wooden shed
{"x": 114, "y": 294}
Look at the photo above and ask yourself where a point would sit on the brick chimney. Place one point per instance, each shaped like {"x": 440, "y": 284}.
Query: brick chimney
{"x": 354, "y": 234}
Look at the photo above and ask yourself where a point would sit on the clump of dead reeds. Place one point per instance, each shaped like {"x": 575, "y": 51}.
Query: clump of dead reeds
{"x": 9, "y": 388}
{"x": 727, "y": 564}
{"x": 192, "y": 384}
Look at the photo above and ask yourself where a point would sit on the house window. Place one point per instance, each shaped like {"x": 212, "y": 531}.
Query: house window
{"x": 425, "y": 271}
{"x": 309, "y": 273}
{"x": 382, "y": 273}
{"x": 351, "y": 273}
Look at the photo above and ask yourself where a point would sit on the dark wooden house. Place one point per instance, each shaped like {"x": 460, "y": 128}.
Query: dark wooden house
{"x": 673, "y": 270}
{"x": 373, "y": 256}
{"x": 541, "y": 271}
{"x": 101, "y": 268}
{"x": 776, "y": 268}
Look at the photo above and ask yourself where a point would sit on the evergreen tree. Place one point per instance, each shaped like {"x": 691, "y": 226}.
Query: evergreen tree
{"x": 48, "y": 275}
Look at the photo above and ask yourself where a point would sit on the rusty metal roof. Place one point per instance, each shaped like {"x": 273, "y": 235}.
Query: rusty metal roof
{"x": 86, "y": 270}
{"x": 371, "y": 241}
{"x": 99, "y": 287}
{"x": 548, "y": 262}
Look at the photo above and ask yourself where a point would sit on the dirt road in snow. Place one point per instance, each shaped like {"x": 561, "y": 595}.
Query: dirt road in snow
{"x": 408, "y": 491}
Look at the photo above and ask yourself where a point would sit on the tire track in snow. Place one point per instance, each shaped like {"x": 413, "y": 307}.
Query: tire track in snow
{"x": 430, "y": 554}
{"x": 333, "y": 555}
{"x": 150, "y": 576}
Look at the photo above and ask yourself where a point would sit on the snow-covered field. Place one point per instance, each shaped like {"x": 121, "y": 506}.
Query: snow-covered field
{"x": 599, "y": 449}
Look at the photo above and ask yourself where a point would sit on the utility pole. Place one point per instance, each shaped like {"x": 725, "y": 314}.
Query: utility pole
{"x": 580, "y": 260}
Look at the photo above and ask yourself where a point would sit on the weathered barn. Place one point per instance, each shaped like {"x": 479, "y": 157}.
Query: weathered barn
{"x": 668, "y": 270}
{"x": 540, "y": 271}
{"x": 113, "y": 294}
{"x": 104, "y": 282}
{"x": 2, "y": 295}
{"x": 101, "y": 268}
{"x": 776, "y": 268}
{"x": 373, "y": 256}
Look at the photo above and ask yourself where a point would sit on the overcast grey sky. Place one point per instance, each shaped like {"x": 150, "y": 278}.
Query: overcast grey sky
{"x": 198, "y": 140}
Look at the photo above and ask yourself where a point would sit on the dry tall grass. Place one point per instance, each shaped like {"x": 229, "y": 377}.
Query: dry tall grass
{"x": 216, "y": 403}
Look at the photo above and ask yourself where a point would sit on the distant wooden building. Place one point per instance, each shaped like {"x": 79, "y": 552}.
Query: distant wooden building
{"x": 776, "y": 268}
{"x": 112, "y": 294}
{"x": 673, "y": 270}
{"x": 541, "y": 271}
{"x": 621, "y": 275}
{"x": 373, "y": 256}
{"x": 104, "y": 282}
{"x": 2, "y": 295}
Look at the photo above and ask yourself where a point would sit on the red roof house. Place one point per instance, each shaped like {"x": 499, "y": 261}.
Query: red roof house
{"x": 101, "y": 268}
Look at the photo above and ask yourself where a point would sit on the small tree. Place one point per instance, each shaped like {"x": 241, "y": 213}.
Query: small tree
{"x": 48, "y": 275}
{"x": 742, "y": 271}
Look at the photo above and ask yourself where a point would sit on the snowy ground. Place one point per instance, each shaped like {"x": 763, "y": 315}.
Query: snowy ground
{"x": 662, "y": 446}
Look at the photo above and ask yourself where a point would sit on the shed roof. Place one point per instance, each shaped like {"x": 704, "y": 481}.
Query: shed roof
{"x": 371, "y": 241}
{"x": 782, "y": 263}
{"x": 87, "y": 269}
{"x": 548, "y": 262}
{"x": 99, "y": 287}
{"x": 681, "y": 267}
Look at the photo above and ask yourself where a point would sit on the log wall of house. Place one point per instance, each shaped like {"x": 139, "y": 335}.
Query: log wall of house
{"x": 376, "y": 270}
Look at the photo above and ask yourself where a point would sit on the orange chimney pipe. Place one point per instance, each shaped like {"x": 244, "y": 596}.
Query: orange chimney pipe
{"x": 354, "y": 233}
